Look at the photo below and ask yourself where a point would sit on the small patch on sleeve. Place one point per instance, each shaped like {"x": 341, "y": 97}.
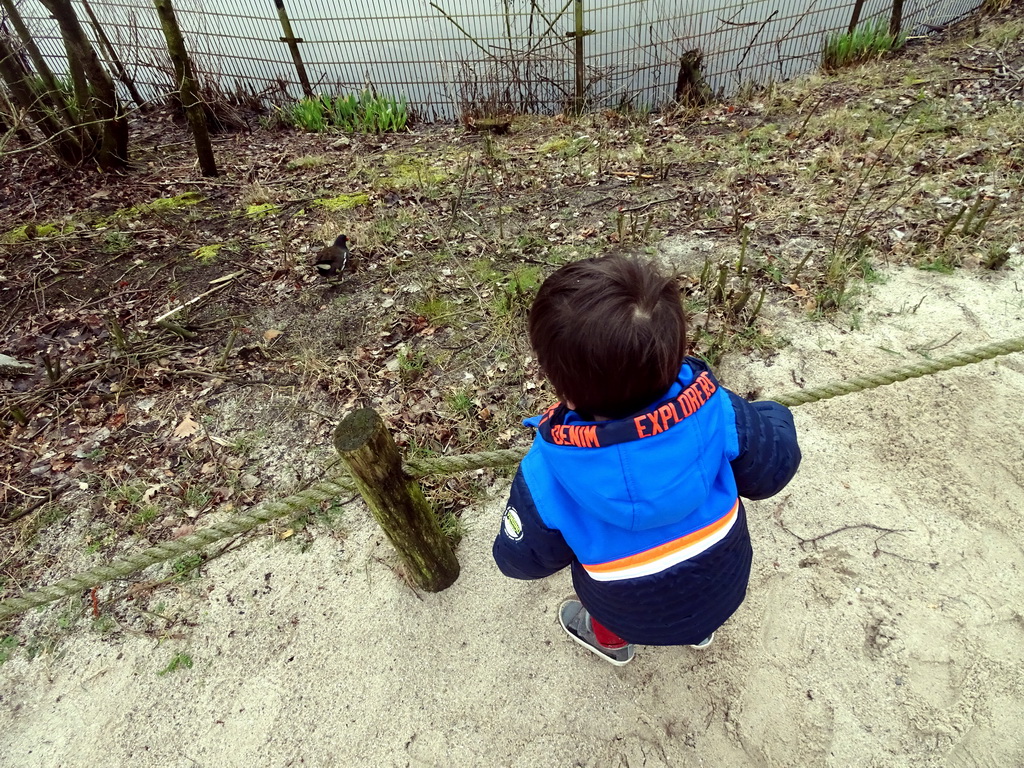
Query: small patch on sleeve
{"x": 511, "y": 524}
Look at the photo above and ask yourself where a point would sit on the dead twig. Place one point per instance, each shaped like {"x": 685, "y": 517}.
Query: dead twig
{"x": 879, "y": 551}
{"x": 813, "y": 541}
{"x": 400, "y": 574}
{"x": 217, "y": 284}
{"x": 651, "y": 204}
{"x": 926, "y": 348}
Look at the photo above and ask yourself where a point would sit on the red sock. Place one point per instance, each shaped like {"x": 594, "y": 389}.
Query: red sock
{"x": 606, "y": 637}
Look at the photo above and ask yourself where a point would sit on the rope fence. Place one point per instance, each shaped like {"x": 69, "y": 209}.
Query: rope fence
{"x": 444, "y": 465}
{"x": 168, "y": 550}
{"x": 329, "y": 489}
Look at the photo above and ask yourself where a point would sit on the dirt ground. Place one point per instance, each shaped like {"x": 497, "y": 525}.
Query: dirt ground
{"x": 882, "y": 626}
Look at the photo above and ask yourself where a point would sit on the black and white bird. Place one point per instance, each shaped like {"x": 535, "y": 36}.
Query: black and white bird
{"x": 331, "y": 261}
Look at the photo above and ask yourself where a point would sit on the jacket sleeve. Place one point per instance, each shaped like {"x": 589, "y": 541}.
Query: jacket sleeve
{"x": 525, "y": 547}
{"x": 768, "y": 451}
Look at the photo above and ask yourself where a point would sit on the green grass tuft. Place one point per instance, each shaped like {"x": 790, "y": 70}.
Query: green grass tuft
{"x": 8, "y": 645}
{"x": 178, "y": 661}
{"x": 868, "y": 41}
{"x": 365, "y": 112}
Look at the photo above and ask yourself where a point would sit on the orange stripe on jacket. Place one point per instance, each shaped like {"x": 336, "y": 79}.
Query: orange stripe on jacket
{"x": 668, "y": 548}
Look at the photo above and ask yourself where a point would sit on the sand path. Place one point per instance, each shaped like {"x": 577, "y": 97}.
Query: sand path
{"x": 883, "y": 625}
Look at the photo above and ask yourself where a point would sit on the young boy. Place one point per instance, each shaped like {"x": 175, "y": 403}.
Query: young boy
{"x": 634, "y": 479}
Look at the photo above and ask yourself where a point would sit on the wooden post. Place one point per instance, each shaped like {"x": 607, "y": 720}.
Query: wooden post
{"x": 396, "y": 500}
{"x": 293, "y": 46}
{"x": 190, "y": 100}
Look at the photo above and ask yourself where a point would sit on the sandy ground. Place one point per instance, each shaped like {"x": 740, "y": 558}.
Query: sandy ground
{"x": 883, "y": 624}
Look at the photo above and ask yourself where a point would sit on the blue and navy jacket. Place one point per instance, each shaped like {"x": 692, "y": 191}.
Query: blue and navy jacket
{"x": 646, "y": 509}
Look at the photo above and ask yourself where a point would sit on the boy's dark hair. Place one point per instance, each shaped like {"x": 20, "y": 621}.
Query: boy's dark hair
{"x": 609, "y": 333}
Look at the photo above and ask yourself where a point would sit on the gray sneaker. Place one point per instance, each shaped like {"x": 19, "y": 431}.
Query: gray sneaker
{"x": 704, "y": 643}
{"x": 576, "y": 622}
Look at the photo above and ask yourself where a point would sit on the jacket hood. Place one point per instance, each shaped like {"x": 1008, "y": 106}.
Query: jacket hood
{"x": 648, "y": 470}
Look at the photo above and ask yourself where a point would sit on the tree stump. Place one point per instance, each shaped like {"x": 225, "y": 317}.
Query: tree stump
{"x": 692, "y": 89}
{"x": 396, "y": 500}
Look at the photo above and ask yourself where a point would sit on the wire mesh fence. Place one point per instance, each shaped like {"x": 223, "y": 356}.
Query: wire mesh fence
{"x": 449, "y": 56}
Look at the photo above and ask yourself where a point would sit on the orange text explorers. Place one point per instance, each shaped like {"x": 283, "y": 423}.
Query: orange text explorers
{"x": 675, "y": 410}
{"x": 647, "y": 424}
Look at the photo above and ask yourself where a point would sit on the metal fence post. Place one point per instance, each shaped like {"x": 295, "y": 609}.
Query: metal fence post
{"x": 896, "y": 20}
{"x": 293, "y": 46}
{"x": 855, "y": 16}
{"x": 578, "y": 35}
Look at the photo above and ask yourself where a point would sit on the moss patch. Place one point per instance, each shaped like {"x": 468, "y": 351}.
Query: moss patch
{"x": 262, "y": 210}
{"x": 207, "y": 254}
{"x": 344, "y": 202}
{"x": 412, "y": 172}
{"x": 553, "y": 145}
{"x": 567, "y": 147}
{"x": 171, "y": 203}
{"x": 160, "y": 205}
{"x": 32, "y": 231}
{"x": 309, "y": 161}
